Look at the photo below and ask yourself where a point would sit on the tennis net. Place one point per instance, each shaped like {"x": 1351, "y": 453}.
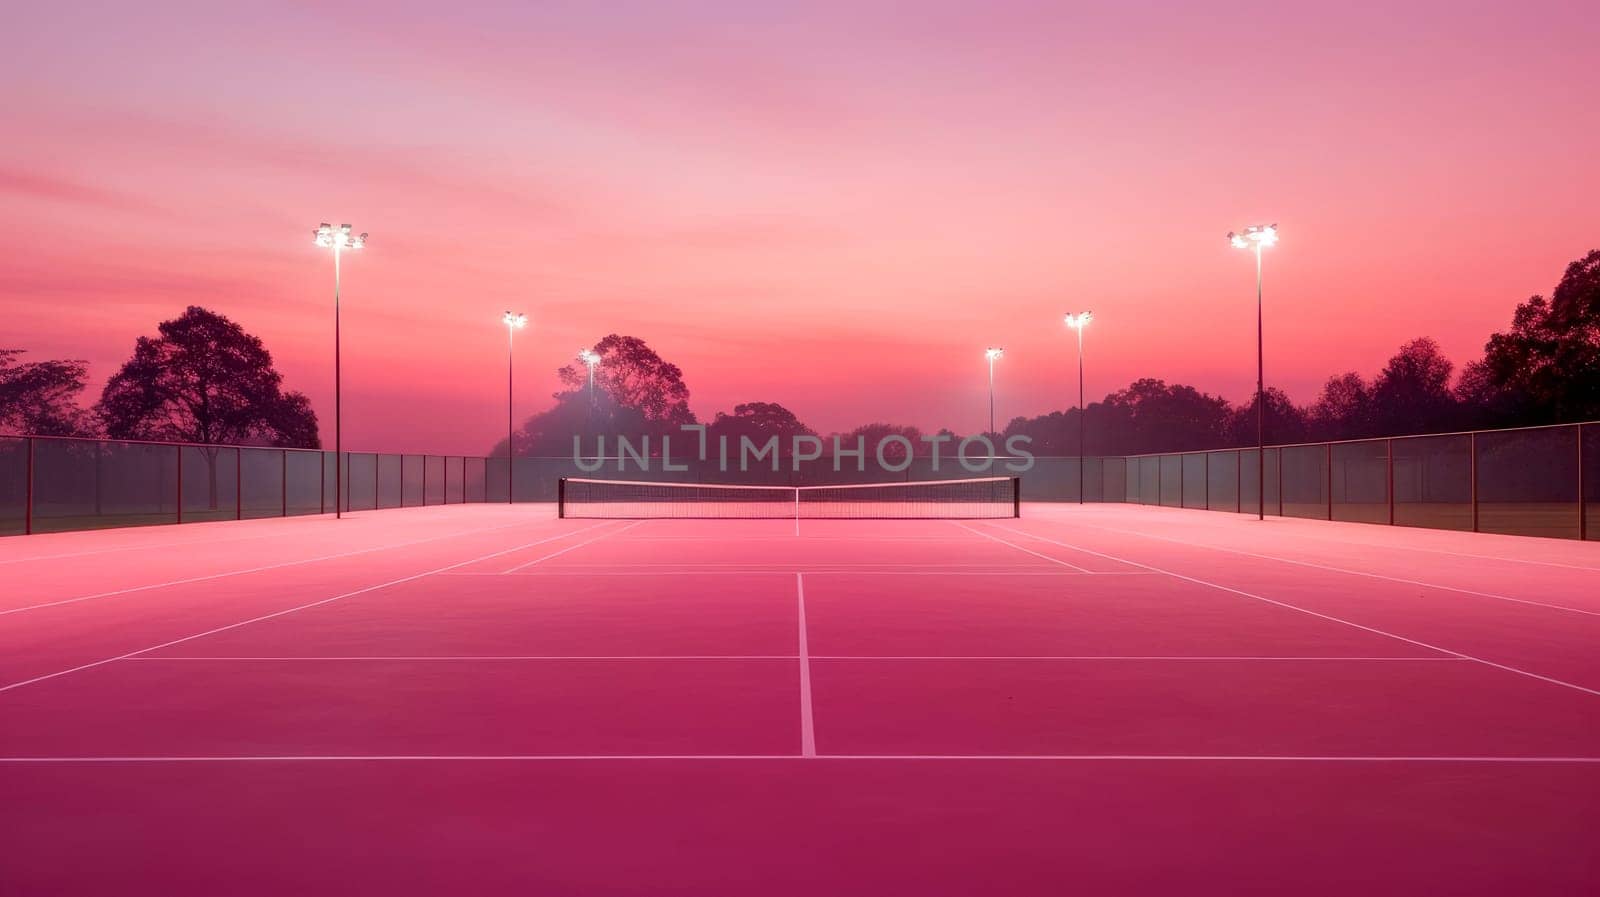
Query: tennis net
{"x": 944, "y": 499}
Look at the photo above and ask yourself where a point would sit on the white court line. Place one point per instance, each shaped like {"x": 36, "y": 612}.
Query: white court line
{"x": 790, "y": 566}
{"x": 1114, "y": 657}
{"x": 803, "y": 656}
{"x": 1020, "y": 548}
{"x": 361, "y": 591}
{"x": 1086, "y": 758}
{"x": 1332, "y": 569}
{"x": 1329, "y": 617}
{"x": 808, "y": 730}
{"x": 1459, "y": 554}
{"x": 278, "y": 566}
{"x": 198, "y": 542}
{"x": 788, "y": 540}
{"x": 568, "y": 570}
{"x": 571, "y": 548}
{"x": 470, "y": 657}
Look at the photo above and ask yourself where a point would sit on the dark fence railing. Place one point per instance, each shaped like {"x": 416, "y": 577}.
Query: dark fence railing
{"x": 1531, "y": 481}
{"x": 1538, "y": 481}
{"x": 54, "y": 484}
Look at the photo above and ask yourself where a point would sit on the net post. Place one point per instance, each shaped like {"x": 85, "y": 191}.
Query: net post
{"x": 561, "y": 497}
{"x": 27, "y": 512}
{"x": 1016, "y": 495}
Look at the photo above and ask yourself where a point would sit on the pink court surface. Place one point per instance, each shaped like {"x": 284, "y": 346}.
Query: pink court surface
{"x": 1094, "y": 700}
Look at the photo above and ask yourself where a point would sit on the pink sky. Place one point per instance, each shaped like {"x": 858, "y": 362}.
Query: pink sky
{"x": 836, "y": 208}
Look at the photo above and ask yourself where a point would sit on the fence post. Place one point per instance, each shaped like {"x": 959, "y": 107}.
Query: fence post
{"x": 238, "y": 484}
{"x": 1327, "y": 473}
{"x": 179, "y": 450}
{"x": 1238, "y": 482}
{"x": 424, "y": 481}
{"x": 1472, "y": 475}
{"x": 27, "y": 511}
{"x": 284, "y": 491}
{"x": 1389, "y": 480}
{"x": 1583, "y": 506}
{"x": 1279, "y": 456}
{"x": 1206, "y": 466}
{"x": 322, "y": 482}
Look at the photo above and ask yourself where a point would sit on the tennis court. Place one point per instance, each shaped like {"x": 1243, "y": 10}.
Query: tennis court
{"x": 1101, "y": 699}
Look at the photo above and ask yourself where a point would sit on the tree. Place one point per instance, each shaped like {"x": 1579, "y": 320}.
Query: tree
{"x": 1285, "y": 422}
{"x": 205, "y": 380}
{"x": 1412, "y": 392}
{"x": 1109, "y": 430}
{"x": 1546, "y": 368}
{"x": 1055, "y": 433}
{"x": 40, "y": 397}
{"x": 1156, "y": 417}
{"x": 759, "y": 421}
{"x": 633, "y": 375}
{"x": 1344, "y": 410}
{"x": 549, "y": 433}
{"x": 872, "y": 434}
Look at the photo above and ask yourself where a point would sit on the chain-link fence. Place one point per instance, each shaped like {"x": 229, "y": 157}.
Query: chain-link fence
{"x": 1533, "y": 481}
{"x": 1538, "y": 481}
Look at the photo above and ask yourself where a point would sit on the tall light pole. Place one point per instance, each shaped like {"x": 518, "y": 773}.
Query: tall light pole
{"x": 513, "y": 322}
{"x": 338, "y": 239}
{"x": 589, "y": 358}
{"x": 1258, "y": 237}
{"x": 992, "y": 354}
{"x": 1078, "y": 321}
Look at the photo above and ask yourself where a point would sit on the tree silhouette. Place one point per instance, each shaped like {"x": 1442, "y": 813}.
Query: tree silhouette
{"x": 759, "y": 421}
{"x": 1546, "y": 368}
{"x": 1344, "y": 410}
{"x": 1412, "y": 392}
{"x": 550, "y": 432}
{"x": 206, "y": 380}
{"x": 634, "y": 376}
{"x": 1285, "y": 422}
{"x": 874, "y": 433}
{"x": 1162, "y": 418}
{"x": 40, "y": 397}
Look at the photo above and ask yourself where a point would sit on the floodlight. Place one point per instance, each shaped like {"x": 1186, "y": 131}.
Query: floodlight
{"x": 338, "y": 239}
{"x": 1258, "y": 237}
